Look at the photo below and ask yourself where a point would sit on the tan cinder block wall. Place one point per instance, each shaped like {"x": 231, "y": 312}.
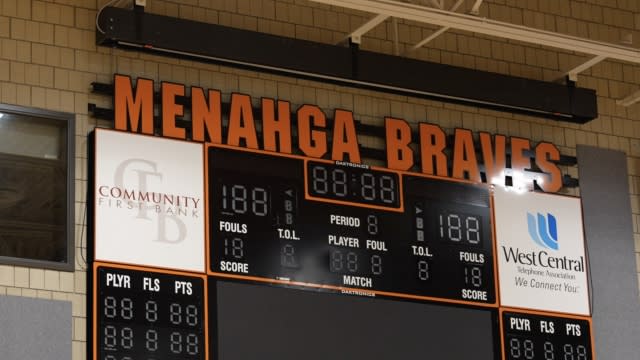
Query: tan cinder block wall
{"x": 48, "y": 59}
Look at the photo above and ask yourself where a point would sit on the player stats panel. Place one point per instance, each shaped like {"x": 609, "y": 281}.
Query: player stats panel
{"x": 536, "y": 335}
{"x": 142, "y": 313}
{"x": 347, "y": 227}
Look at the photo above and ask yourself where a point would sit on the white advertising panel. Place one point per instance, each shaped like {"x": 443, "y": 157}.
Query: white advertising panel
{"x": 149, "y": 201}
{"x": 541, "y": 252}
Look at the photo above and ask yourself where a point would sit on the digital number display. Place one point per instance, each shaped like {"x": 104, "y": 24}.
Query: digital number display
{"x": 264, "y": 224}
{"x": 243, "y": 199}
{"x": 354, "y": 184}
{"x": 148, "y": 315}
{"x": 542, "y": 337}
{"x": 459, "y": 228}
{"x": 450, "y": 238}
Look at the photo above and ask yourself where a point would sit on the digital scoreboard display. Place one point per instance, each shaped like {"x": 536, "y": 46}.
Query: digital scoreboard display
{"x": 543, "y": 337}
{"x": 347, "y": 227}
{"x": 149, "y": 315}
{"x": 218, "y": 252}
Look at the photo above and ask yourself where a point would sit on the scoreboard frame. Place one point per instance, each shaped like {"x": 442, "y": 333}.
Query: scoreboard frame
{"x": 207, "y": 314}
{"x": 94, "y": 320}
{"x": 308, "y": 197}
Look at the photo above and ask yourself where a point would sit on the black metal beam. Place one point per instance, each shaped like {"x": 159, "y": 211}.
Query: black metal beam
{"x": 343, "y": 65}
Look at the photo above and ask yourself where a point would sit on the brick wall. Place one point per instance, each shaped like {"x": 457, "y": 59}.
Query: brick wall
{"x": 48, "y": 58}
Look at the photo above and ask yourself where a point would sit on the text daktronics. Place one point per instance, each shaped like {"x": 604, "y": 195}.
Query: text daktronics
{"x": 543, "y": 259}
{"x": 134, "y": 111}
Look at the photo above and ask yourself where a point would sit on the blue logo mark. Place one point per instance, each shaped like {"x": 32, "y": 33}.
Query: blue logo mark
{"x": 543, "y": 231}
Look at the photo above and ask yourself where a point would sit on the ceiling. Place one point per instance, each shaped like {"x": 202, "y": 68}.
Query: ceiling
{"x": 471, "y": 17}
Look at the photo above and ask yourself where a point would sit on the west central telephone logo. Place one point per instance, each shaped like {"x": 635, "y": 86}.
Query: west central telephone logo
{"x": 543, "y": 230}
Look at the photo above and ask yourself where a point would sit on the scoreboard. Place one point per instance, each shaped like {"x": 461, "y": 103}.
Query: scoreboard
{"x": 143, "y": 313}
{"x": 340, "y": 227}
{"x": 539, "y": 336}
{"x": 183, "y": 233}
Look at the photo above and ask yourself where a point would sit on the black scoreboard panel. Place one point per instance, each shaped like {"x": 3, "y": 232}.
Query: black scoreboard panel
{"x": 290, "y": 324}
{"x": 142, "y": 314}
{"x": 341, "y": 226}
{"x": 538, "y": 336}
{"x": 448, "y": 232}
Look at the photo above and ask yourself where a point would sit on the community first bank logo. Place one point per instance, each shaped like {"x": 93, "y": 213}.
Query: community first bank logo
{"x": 167, "y": 210}
{"x": 543, "y": 232}
{"x": 148, "y": 201}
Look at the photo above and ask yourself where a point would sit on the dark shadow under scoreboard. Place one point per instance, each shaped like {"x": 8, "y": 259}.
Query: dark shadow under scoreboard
{"x": 316, "y": 259}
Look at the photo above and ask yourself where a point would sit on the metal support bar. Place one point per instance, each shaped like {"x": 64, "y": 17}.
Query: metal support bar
{"x": 489, "y": 27}
{"x": 630, "y": 100}
{"x": 356, "y": 35}
{"x": 475, "y": 9}
{"x": 428, "y": 39}
{"x": 438, "y": 3}
{"x": 573, "y": 73}
{"x": 180, "y": 38}
{"x": 439, "y": 32}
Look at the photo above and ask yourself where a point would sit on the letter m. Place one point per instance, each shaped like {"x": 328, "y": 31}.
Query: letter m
{"x": 135, "y": 109}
